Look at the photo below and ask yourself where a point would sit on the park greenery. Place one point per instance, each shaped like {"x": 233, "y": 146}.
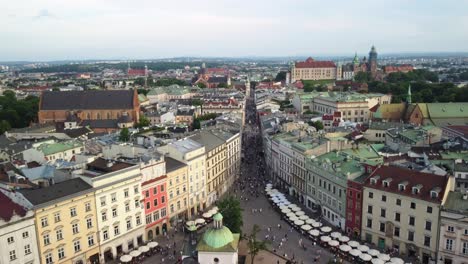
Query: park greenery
{"x": 16, "y": 113}
{"x": 159, "y": 82}
{"x": 231, "y": 210}
{"x": 143, "y": 122}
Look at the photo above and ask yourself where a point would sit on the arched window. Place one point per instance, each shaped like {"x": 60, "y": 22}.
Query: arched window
{"x": 98, "y": 116}
{"x": 108, "y": 115}
{"x": 88, "y": 116}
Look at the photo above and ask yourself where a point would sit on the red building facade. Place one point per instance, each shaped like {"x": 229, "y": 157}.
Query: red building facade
{"x": 155, "y": 202}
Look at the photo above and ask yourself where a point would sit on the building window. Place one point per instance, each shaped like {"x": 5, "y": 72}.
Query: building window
{"x": 103, "y": 201}
{"x": 382, "y": 212}
{"x": 162, "y": 188}
{"x": 427, "y": 241}
{"x": 89, "y": 223}
{"x": 57, "y": 217}
{"x": 127, "y": 207}
{"x": 163, "y": 199}
{"x": 135, "y": 189}
{"x": 138, "y": 220}
{"x": 384, "y": 198}
{"x": 397, "y": 217}
{"x": 46, "y": 239}
{"x": 90, "y": 240}
{"x": 113, "y": 197}
{"x": 44, "y": 222}
{"x": 155, "y": 190}
{"x": 428, "y": 225}
{"x": 371, "y": 195}
{"x": 413, "y": 205}
{"x": 73, "y": 212}
{"x": 155, "y": 215}
{"x": 88, "y": 207}
{"x": 75, "y": 229}
{"x": 126, "y": 194}
{"x": 12, "y": 255}
{"x": 129, "y": 224}
{"x": 396, "y": 231}
{"x": 369, "y": 223}
{"x": 450, "y": 229}
{"x": 114, "y": 212}
{"x": 59, "y": 234}
{"x": 147, "y": 194}
{"x": 49, "y": 259}
{"x": 77, "y": 246}
{"x": 155, "y": 202}
{"x": 411, "y": 220}
{"x": 27, "y": 249}
{"x": 465, "y": 248}
{"x": 429, "y": 210}
{"x": 61, "y": 253}
{"x": 104, "y": 216}
{"x": 105, "y": 234}
{"x": 382, "y": 227}
{"x": 398, "y": 202}
{"x": 10, "y": 240}
{"x": 410, "y": 236}
{"x": 148, "y": 205}
{"x": 148, "y": 219}
{"x": 163, "y": 212}
{"x": 369, "y": 209}
{"x": 25, "y": 234}
{"x": 116, "y": 230}
{"x": 137, "y": 203}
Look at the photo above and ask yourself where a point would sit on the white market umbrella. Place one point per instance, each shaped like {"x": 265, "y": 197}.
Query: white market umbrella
{"x": 293, "y": 219}
{"x": 314, "y": 233}
{"x": 343, "y": 239}
{"x": 364, "y": 248}
{"x": 152, "y": 244}
{"x": 213, "y": 211}
{"x": 299, "y": 213}
{"x": 310, "y": 221}
{"x": 384, "y": 257}
{"x": 143, "y": 249}
{"x": 377, "y": 261}
{"x": 292, "y": 205}
{"x": 306, "y": 227}
{"x": 353, "y": 244}
{"x": 355, "y": 252}
{"x": 365, "y": 257}
{"x": 397, "y": 260}
{"x": 125, "y": 258}
{"x": 295, "y": 209}
{"x": 285, "y": 211}
{"x": 207, "y": 215}
{"x": 325, "y": 229}
{"x": 286, "y": 202}
{"x": 215, "y": 208}
{"x": 333, "y": 243}
{"x": 304, "y": 217}
{"x": 283, "y": 207}
{"x": 189, "y": 223}
{"x": 291, "y": 214}
{"x": 325, "y": 238}
{"x": 200, "y": 221}
{"x": 345, "y": 248}
{"x": 135, "y": 253}
{"x": 298, "y": 222}
{"x": 317, "y": 224}
{"x": 373, "y": 252}
{"x": 335, "y": 235}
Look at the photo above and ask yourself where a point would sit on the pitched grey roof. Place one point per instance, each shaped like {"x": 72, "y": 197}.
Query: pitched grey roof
{"x": 207, "y": 139}
{"x": 56, "y": 191}
{"x": 90, "y": 99}
{"x": 173, "y": 164}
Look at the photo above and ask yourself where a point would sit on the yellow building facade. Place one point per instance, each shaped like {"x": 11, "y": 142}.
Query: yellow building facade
{"x": 177, "y": 189}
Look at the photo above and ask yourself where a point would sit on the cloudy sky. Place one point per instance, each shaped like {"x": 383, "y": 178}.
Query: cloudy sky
{"x": 109, "y": 29}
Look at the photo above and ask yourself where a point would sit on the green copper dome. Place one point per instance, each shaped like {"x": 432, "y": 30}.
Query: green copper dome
{"x": 218, "y": 237}
{"x": 218, "y": 217}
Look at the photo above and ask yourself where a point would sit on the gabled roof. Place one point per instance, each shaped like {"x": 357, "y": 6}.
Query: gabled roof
{"x": 448, "y": 110}
{"x": 90, "y": 99}
{"x": 10, "y": 208}
{"x": 207, "y": 139}
{"x": 173, "y": 164}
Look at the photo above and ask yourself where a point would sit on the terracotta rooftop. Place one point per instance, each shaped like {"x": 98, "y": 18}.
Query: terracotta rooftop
{"x": 426, "y": 183}
{"x": 10, "y": 208}
{"x": 311, "y": 63}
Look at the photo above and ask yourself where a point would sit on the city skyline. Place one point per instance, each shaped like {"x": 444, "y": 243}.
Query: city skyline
{"x": 52, "y": 30}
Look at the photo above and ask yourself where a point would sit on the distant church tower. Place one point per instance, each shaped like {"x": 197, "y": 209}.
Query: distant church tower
{"x": 373, "y": 61}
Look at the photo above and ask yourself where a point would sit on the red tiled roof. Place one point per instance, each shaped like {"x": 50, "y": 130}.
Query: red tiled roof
{"x": 460, "y": 129}
{"x": 311, "y": 63}
{"x": 327, "y": 117}
{"x": 154, "y": 180}
{"x": 374, "y": 108}
{"x": 136, "y": 72}
{"x": 9, "y": 208}
{"x": 400, "y": 68}
{"x": 337, "y": 114}
{"x": 398, "y": 175}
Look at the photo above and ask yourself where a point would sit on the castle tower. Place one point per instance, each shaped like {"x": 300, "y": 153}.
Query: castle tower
{"x": 373, "y": 61}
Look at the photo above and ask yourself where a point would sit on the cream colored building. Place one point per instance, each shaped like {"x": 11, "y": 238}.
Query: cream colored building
{"x": 216, "y": 164}
{"x": 313, "y": 70}
{"x": 453, "y": 245}
{"x": 191, "y": 153}
{"x": 65, "y": 219}
{"x": 177, "y": 188}
{"x": 400, "y": 211}
{"x": 120, "y": 215}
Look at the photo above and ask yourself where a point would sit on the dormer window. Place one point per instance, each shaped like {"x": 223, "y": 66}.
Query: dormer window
{"x": 374, "y": 179}
{"x": 402, "y": 186}
{"x": 386, "y": 182}
{"x": 434, "y": 194}
{"x": 416, "y": 189}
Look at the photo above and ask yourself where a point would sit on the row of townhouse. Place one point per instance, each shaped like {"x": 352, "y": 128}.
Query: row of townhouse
{"x": 412, "y": 213}
{"x": 111, "y": 206}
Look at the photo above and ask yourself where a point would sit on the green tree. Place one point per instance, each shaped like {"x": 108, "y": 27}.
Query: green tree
{"x": 254, "y": 245}
{"x": 280, "y": 77}
{"x": 222, "y": 85}
{"x": 143, "y": 122}
{"x": 317, "y": 124}
{"x": 231, "y": 210}
{"x": 201, "y": 85}
{"x": 124, "y": 135}
{"x": 196, "y": 124}
{"x": 4, "y": 126}
{"x": 362, "y": 77}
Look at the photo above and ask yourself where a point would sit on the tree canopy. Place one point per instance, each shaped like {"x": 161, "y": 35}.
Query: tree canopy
{"x": 231, "y": 210}
{"x": 124, "y": 135}
{"x": 16, "y": 113}
{"x": 254, "y": 245}
{"x": 280, "y": 77}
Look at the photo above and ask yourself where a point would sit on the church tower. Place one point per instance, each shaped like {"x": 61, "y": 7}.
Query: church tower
{"x": 373, "y": 62}
{"x": 408, "y": 96}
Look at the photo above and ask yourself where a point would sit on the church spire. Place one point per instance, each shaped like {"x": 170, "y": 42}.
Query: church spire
{"x": 408, "y": 96}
